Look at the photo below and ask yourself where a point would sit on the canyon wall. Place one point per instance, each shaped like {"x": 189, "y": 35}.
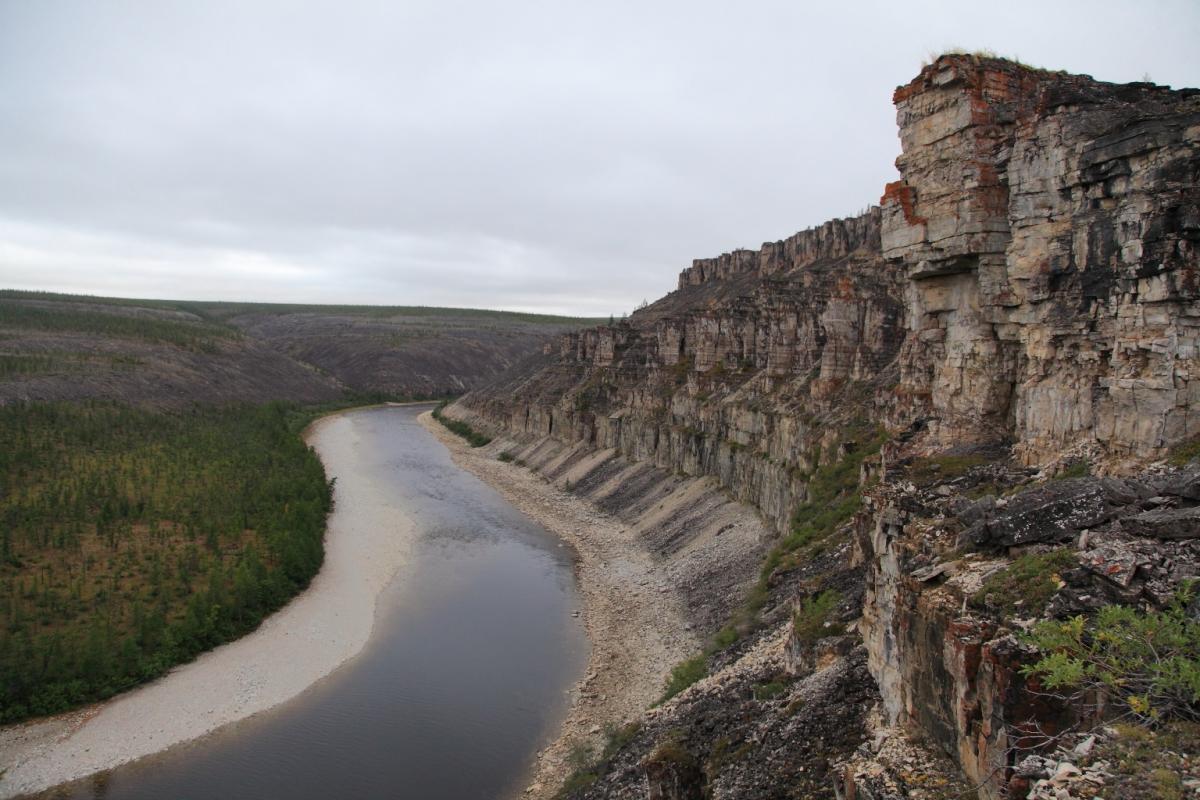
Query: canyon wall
{"x": 1027, "y": 296}
{"x": 732, "y": 375}
{"x": 1048, "y": 226}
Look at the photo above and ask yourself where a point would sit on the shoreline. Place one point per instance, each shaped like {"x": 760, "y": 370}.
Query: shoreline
{"x": 634, "y": 623}
{"x": 634, "y": 620}
{"x": 315, "y": 633}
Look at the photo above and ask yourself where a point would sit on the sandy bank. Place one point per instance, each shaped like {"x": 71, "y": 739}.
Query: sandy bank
{"x": 634, "y": 619}
{"x": 317, "y": 631}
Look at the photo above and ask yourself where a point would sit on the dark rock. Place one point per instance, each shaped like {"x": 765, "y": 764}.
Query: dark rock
{"x": 971, "y": 513}
{"x": 1051, "y": 513}
{"x": 1114, "y": 561}
{"x": 1185, "y": 483}
{"x": 1165, "y": 523}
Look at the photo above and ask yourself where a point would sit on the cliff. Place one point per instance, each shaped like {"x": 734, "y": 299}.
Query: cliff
{"x": 893, "y": 394}
{"x": 1048, "y": 228}
{"x": 727, "y": 376}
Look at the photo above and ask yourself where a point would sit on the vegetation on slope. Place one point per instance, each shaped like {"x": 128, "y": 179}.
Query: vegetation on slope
{"x": 131, "y": 540}
{"x": 166, "y": 353}
{"x": 473, "y": 437}
{"x": 220, "y": 310}
{"x": 1025, "y": 585}
{"x": 834, "y": 497}
{"x": 185, "y": 333}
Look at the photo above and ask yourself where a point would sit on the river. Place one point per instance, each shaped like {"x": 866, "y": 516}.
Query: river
{"x": 475, "y": 646}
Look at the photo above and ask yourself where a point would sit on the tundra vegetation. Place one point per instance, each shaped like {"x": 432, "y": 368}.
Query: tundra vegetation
{"x": 168, "y": 353}
{"x": 833, "y": 497}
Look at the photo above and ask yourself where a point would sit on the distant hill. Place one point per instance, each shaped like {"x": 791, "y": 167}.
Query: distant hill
{"x": 167, "y": 353}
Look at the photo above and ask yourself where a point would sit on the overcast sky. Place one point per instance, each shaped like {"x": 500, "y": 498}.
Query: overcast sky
{"x": 550, "y": 156}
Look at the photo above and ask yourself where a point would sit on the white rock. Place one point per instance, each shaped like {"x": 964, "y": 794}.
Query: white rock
{"x": 1066, "y": 770}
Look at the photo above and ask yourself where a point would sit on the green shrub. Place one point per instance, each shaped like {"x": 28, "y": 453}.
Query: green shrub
{"x": 1077, "y": 469}
{"x": 725, "y": 637}
{"x": 684, "y": 674}
{"x": 581, "y": 759}
{"x": 617, "y": 736}
{"x": 1184, "y": 452}
{"x": 769, "y": 690}
{"x": 681, "y": 369}
{"x": 671, "y": 752}
{"x": 808, "y": 623}
{"x": 1148, "y": 661}
{"x": 506, "y": 457}
{"x": 585, "y": 768}
{"x": 473, "y": 437}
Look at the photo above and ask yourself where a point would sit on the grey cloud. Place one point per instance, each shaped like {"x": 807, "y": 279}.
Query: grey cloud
{"x": 550, "y": 156}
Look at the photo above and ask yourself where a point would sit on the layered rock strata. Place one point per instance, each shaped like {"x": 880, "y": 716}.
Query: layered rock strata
{"x": 1048, "y": 225}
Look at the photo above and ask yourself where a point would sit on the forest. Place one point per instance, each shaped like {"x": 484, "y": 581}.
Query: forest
{"x": 131, "y": 540}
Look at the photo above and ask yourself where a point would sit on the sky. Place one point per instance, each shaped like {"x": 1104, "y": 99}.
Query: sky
{"x": 559, "y": 156}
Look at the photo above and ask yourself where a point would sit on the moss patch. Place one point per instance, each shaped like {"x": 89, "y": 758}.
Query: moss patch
{"x": 1026, "y": 584}
{"x": 1184, "y": 452}
{"x": 924, "y": 471}
{"x": 1151, "y": 763}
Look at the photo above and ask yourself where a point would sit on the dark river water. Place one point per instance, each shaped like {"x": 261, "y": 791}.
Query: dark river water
{"x": 465, "y": 675}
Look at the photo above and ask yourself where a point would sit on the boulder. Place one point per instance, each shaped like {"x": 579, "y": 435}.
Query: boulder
{"x": 1051, "y": 513}
{"x": 1165, "y": 523}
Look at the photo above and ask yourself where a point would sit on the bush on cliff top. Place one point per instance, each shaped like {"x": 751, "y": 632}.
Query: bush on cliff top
{"x": 1149, "y": 662}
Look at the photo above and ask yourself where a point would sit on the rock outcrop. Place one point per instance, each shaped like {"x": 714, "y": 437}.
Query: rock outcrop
{"x": 1049, "y": 227}
{"x": 1026, "y": 299}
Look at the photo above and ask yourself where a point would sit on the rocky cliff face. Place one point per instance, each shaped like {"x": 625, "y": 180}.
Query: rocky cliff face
{"x": 734, "y": 374}
{"x": 1048, "y": 227}
{"x": 1026, "y": 298}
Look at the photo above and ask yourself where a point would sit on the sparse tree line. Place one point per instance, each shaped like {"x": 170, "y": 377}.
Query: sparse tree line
{"x": 191, "y": 335}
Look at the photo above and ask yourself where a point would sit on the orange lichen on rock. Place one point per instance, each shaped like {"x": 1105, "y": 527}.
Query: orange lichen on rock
{"x": 902, "y": 194}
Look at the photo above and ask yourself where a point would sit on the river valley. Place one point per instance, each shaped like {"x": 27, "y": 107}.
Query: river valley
{"x": 467, "y": 671}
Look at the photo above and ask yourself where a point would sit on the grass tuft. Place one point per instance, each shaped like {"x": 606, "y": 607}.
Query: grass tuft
{"x": 1027, "y": 583}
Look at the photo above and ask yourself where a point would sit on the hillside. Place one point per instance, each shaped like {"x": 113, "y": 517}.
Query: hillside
{"x": 962, "y": 412}
{"x": 169, "y": 354}
{"x": 156, "y": 497}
